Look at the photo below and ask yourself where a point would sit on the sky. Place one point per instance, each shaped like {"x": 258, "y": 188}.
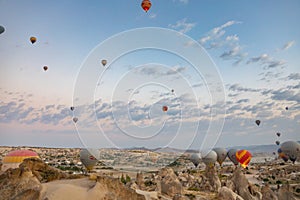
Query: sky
{"x": 217, "y": 65}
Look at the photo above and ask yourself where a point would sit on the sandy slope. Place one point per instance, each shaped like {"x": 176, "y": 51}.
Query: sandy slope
{"x": 71, "y": 189}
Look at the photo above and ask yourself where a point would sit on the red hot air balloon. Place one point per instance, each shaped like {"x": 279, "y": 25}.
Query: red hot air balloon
{"x": 243, "y": 157}
{"x": 165, "y": 108}
{"x": 146, "y": 5}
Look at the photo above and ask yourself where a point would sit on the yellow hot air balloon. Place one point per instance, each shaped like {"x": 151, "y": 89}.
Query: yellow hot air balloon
{"x": 14, "y": 158}
{"x": 243, "y": 157}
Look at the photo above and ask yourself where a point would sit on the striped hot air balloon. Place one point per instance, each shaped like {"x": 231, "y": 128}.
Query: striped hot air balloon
{"x": 243, "y": 157}
{"x": 14, "y": 158}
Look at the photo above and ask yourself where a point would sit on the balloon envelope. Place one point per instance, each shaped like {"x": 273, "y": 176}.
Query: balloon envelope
{"x": 32, "y": 40}
{"x": 165, "y": 108}
{"x": 2, "y": 29}
{"x": 210, "y": 158}
{"x": 277, "y": 142}
{"x": 45, "y": 68}
{"x": 231, "y": 155}
{"x": 88, "y": 158}
{"x": 195, "y": 159}
{"x": 146, "y": 5}
{"x": 257, "y": 122}
{"x": 243, "y": 157}
{"x": 221, "y": 154}
{"x": 14, "y": 158}
{"x": 278, "y": 134}
{"x": 72, "y": 108}
{"x": 103, "y": 62}
{"x": 75, "y": 119}
{"x": 291, "y": 149}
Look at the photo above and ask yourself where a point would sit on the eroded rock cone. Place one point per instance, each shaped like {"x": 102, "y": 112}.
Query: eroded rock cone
{"x": 44, "y": 172}
{"x": 19, "y": 184}
{"x": 284, "y": 193}
{"x": 213, "y": 178}
{"x": 140, "y": 181}
{"x": 113, "y": 189}
{"x": 240, "y": 185}
{"x": 227, "y": 194}
{"x": 170, "y": 184}
{"x": 268, "y": 194}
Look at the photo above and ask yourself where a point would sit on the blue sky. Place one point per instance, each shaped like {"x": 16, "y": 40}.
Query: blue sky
{"x": 254, "y": 45}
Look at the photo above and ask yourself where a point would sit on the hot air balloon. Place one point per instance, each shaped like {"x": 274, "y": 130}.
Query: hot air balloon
{"x": 243, "y": 157}
{"x": 88, "y": 158}
{"x": 172, "y": 90}
{"x": 210, "y": 158}
{"x": 286, "y": 108}
{"x": 282, "y": 155}
{"x": 277, "y": 142}
{"x": 195, "y": 159}
{"x": 291, "y": 149}
{"x": 32, "y": 40}
{"x": 72, "y": 108}
{"x": 146, "y": 5}
{"x": 278, "y": 134}
{"x": 221, "y": 154}
{"x": 75, "y": 119}
{"x": 231, "y": 155}
{"x": 257, "y": 122}
{"x": 45, "y": 68}
{"x": 2, "y": 29}
{"x": 14, "y": 158}
{"x": 165, "y": 108}
{"x": 103, "y": 62}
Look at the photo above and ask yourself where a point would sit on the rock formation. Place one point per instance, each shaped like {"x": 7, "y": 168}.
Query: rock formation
{"x": 19, "y": 184}
{"x": 169, "y": 182}
{"x": 240, "y": 185}
{"x": 227, "y": 194}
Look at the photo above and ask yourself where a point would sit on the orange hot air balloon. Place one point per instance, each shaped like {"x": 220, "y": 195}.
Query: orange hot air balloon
{"x": 243, "y": 157}
{"x": 146, "y": 5}
{"x": 32, "y": 40}
{"x": 165, "y": 108}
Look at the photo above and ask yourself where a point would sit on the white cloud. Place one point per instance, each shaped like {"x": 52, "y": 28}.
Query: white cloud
{"x": 288, "y": 45}
{"x": 183, "y": 26}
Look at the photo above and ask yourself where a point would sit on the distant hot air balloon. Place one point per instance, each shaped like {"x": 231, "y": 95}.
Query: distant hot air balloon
{"x": 32, "y": 40}
{"x": 278, "y": 134}
{"x": 210, "y": 158}
{"x": 165, "y": 108}
{"x": 243, "y": 157}
{"x": 195, "y": 159}
{"x": 146, "y": 5}
{"x": 172, "y": 90}
{"x": 286, "y": 108}
{"x": 291, "y": 149}
{"x": 282, "y": 155}
{"x": 72, "y": 108}
{"x": 103, "y": 62}
{"x": 88, "y": 158}
{"x": 75, "y": 119}
{"x": 14, "y": 158}
{"x": 277, "y": 142}
{"x": 274, "y": 153}
{"x": 45, "y": 68}
{"x": 231, "y": 155}
{"x": 257, "y": 122}
{"x": 221, "y": 154}
{"x": 2, "y": 29}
